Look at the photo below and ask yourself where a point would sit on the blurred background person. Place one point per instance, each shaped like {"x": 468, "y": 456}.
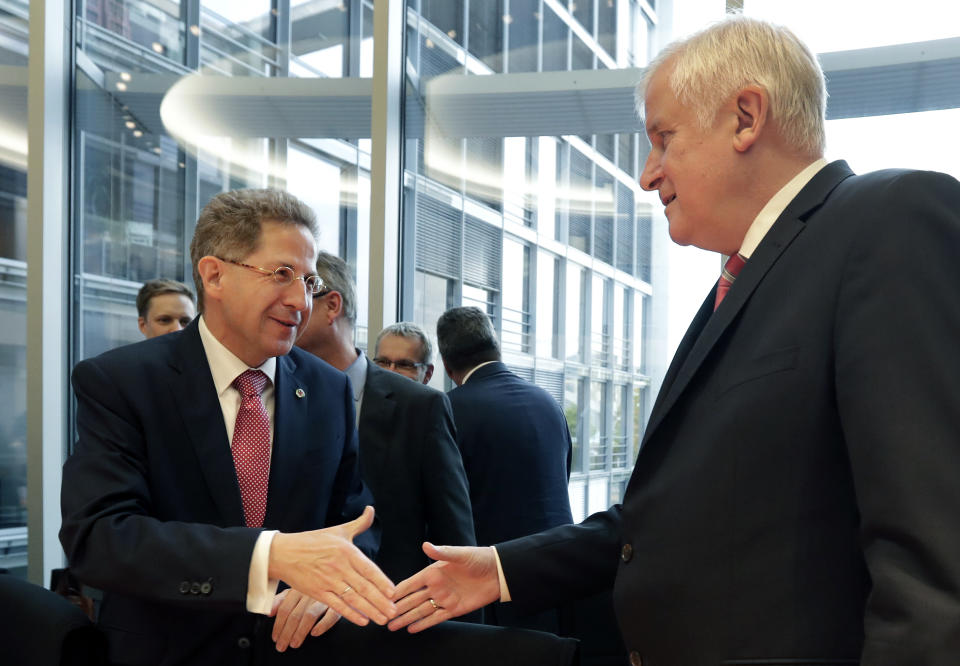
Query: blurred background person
{"x": 164, "y": 306}
{"x": 405, "y": 349}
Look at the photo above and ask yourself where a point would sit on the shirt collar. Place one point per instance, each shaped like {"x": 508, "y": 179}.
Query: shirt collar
{"x": 224, "y": 364}
{"x": 357, "y": 372}
{"x": 777, "y": 204}
{"x": 468, "y": 375}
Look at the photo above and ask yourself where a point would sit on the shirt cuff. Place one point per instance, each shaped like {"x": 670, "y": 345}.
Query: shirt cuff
{"x": 504, "y": 590}
{"x": 260, "y": 589}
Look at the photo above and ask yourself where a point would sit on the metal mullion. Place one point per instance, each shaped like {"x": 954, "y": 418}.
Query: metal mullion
{"x": 48, "y": 103}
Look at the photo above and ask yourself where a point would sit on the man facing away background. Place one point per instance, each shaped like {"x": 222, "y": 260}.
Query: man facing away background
{"x": 408, "y": 454}
{"x": 188, "y": 498}
{"x": 794, "y": 499}
{"x": 514, "y": 440}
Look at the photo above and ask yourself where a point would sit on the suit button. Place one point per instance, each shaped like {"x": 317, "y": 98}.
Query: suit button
{"x": 206, "y": 588}
{"x": 626, "y": 553}
{"x": 185, "y": 587}
{"x": 195, "y": 588}
{"x": 243, "y": 642}
{"x": 635, "y": 659}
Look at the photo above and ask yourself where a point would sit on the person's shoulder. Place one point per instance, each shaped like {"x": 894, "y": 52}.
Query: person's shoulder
{"x": 894, "y": 182}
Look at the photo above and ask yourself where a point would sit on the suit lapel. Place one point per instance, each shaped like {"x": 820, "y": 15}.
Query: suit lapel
{"x": 291, "y": 419}
{"x": 376, "y": 419}
{"x": 708, "y": 326}
{"x": 196, "y": 397}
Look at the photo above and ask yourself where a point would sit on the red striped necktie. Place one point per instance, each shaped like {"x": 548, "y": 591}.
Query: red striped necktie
{"x": 729, "y": 273}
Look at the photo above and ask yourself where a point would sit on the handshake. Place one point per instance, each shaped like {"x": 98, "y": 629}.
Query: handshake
{"x": 330, "y": 578}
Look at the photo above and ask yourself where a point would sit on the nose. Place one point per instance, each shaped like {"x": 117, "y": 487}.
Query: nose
{"x": 651, "y": 176}
{"x": 295, "y": 296}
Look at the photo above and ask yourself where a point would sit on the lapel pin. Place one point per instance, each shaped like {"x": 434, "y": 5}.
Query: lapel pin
{"x": 299, "y": 393}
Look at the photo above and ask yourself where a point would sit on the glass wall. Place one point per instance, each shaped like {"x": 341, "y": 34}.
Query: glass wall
{"x": 154, "y": 141}
{"x": 14, "y": 36}
{"x": 541, "y": 224}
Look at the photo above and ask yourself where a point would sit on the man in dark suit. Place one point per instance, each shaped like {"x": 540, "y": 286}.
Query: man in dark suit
{"x": 794, "y": 499}
{"x": 408, "y": 456}
{"x": 188, "y": 497}
{"x": 514, "y": 440}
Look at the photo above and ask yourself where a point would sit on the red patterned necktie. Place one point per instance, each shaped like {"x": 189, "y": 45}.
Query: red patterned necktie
{"x": 729, "y": 273}
{"x": 251, "y": 446}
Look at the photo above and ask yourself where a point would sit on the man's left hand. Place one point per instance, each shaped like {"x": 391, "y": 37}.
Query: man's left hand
{"x": 297, "y": 615}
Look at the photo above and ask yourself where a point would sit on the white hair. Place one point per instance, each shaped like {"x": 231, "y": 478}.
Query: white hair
{"x": 712, "y": 65}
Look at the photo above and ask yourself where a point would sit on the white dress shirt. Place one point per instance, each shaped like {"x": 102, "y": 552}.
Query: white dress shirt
{"x": 225, "y": 367}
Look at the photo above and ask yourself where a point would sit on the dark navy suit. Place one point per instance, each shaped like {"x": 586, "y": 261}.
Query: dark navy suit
{"x": 152, "y": 513}
{"x": 516, "y": 449}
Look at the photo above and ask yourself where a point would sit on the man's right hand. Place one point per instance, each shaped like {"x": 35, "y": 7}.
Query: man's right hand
{"x": 463, "y": 579}
{"x": 324, "y": 564}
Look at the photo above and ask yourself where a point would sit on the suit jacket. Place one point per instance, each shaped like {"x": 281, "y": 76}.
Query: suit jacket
{"x": 152, "y": 513}
{"x": 410, "y": 462}
{"x": 794, "y": 500}
{"x": 516, "y": 449}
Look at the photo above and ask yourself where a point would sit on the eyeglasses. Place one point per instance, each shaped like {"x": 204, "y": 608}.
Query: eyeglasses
{"x": 284, "y": 275}
{"x": 321, "y": 293}
{"x": 403, "y": 365}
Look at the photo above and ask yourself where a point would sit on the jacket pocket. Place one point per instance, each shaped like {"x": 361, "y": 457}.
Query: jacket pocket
{"x": 769, "y": 363}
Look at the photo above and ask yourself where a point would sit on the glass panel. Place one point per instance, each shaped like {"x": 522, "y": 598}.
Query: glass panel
{"x": 573, "y": 389}
{"x": 548, "y": 296}
{"x": 13, "y": 287}
{"x": 619, "y": 458}
{"x": 576, "y": 302}
{"x": 621, "y": 330}
{"x": 515, "y": 335}
{"x": 433, "y": 297}
{"x": 578, "y": 501}
{"x": 154, "y": 24}
{"x": 599, "y": 429}
{"x": 599, "y": 324}
{"x": 486, "y": 35}
{"x": 598, "y": 498}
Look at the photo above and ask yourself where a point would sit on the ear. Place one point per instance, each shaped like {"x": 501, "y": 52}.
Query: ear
{"x": 334, "y": 303}
{"x": 752, "y": 106}
{"x": 211, "y": 273}
{"x": 142, "y": 325}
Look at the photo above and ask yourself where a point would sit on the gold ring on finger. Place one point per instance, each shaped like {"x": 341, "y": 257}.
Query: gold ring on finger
{"x": 345, "y": 590}
{"x": 433, "y": 603}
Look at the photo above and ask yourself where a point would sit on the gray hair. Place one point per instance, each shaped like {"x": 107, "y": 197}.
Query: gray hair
{"x": 158, "y": 287}
{"x": 466, "y": 338}
{"x": 409, "y": 330}
{"x": 713, "y": 64}
{"x": 230, "y": 225}
{"x": 336, "y": 277}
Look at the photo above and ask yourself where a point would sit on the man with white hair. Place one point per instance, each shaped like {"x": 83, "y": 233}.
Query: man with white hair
{"x": 794, "y": 500}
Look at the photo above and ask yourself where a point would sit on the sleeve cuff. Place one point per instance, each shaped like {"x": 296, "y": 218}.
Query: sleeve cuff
{"x": 260, "y": 589}
{"x": 504, "y": 590}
